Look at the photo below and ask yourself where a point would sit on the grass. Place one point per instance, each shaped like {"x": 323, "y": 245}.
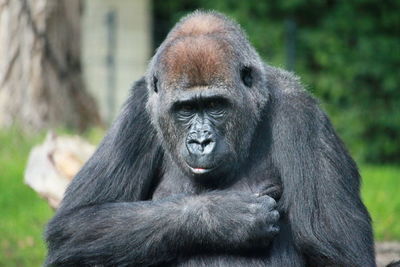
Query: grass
{"x": 24, "y": 214}
{"x": 381, "y": 195}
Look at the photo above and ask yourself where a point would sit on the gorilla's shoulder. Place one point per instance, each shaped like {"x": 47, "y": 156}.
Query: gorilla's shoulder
{"x": 287, "y": 90}
{"x": 283, "y": 81}
{"x": 139, "y": 86}
{"x": 137, "y": 96}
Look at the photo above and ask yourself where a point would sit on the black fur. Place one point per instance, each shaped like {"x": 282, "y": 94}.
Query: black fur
{"x": 132, "y": 204}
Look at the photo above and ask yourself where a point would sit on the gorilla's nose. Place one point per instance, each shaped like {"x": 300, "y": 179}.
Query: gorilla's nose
{"x": 200, "y": 143}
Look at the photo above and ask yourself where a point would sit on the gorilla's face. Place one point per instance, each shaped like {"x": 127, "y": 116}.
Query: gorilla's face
{"x": 207, "y": 130}
{"x": 206, "y": 94}
{"x": 201, "y": 118}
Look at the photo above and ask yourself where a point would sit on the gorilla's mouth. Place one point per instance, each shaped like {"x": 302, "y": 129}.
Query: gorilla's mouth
{"x": 201, "y": 169}
{"x": 198, "y": 170}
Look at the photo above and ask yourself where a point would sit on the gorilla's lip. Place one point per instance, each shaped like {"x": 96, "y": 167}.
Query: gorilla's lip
{"x": 198, "y": 170}
{"x": 201, "y": 170}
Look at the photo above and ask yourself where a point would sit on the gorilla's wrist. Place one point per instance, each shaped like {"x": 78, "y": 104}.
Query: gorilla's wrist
{"x": 229, "y": 221}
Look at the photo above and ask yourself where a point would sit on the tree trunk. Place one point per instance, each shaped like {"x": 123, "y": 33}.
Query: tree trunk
{"x": 41, "y": 82}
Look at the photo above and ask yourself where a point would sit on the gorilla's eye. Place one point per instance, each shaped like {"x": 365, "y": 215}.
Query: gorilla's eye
{"x": 212, "y": 105}
{"x": 187, "y": 108}
{"x": 155, "y": 84}
{"x": 216, "y": 107}
{"x": 246, "y": 76}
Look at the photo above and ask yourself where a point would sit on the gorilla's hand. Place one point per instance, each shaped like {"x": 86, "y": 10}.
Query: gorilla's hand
{"x": 239, "y": 220}
{"x": 272, "y": 190}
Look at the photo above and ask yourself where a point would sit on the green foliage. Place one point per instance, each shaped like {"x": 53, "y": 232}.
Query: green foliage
{"x": 348, "y": 54}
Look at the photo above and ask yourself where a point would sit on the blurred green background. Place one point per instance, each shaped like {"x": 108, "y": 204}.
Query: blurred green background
{"x": 347, "y": 54}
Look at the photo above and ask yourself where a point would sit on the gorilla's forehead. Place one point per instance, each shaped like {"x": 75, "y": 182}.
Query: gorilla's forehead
{"x": 198, "y": 60}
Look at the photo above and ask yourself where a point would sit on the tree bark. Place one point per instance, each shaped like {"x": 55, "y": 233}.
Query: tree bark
{"x": 41, "y": 84}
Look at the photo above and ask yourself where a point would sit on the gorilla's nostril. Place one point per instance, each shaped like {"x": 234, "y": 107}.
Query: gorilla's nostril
{"x": 196, "y": 146}
{"x": 206, "y": 142}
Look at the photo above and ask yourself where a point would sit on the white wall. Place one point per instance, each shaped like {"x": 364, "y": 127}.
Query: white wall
{"x": 133, "y": 48}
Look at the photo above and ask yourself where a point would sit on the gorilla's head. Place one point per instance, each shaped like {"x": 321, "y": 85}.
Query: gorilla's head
{"x": 207, "y": 88}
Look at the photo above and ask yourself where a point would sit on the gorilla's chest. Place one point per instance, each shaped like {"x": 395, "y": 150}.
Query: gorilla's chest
{"x": 260, "y": 175}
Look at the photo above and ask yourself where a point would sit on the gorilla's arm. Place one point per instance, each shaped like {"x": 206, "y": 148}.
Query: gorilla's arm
{"x": 106, "y": 216}
{"x": 150, "y": 232}
{"x": 320, "y": 180}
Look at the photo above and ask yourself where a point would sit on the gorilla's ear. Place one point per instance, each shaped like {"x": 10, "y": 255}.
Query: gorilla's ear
{"x": 155, "y": 84}
{"x": 247, "y": 76}
{"x": 126, "y": 163}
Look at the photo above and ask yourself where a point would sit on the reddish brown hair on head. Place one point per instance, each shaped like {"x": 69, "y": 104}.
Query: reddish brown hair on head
{"x": 199, "y": 60}
{"x": 198, "y": 50}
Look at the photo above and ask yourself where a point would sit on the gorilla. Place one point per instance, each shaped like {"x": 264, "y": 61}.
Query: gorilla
{"x": 217, "y": 159}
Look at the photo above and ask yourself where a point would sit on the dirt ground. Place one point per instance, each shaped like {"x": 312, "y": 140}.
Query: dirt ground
{"x": 387, "y": 252}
